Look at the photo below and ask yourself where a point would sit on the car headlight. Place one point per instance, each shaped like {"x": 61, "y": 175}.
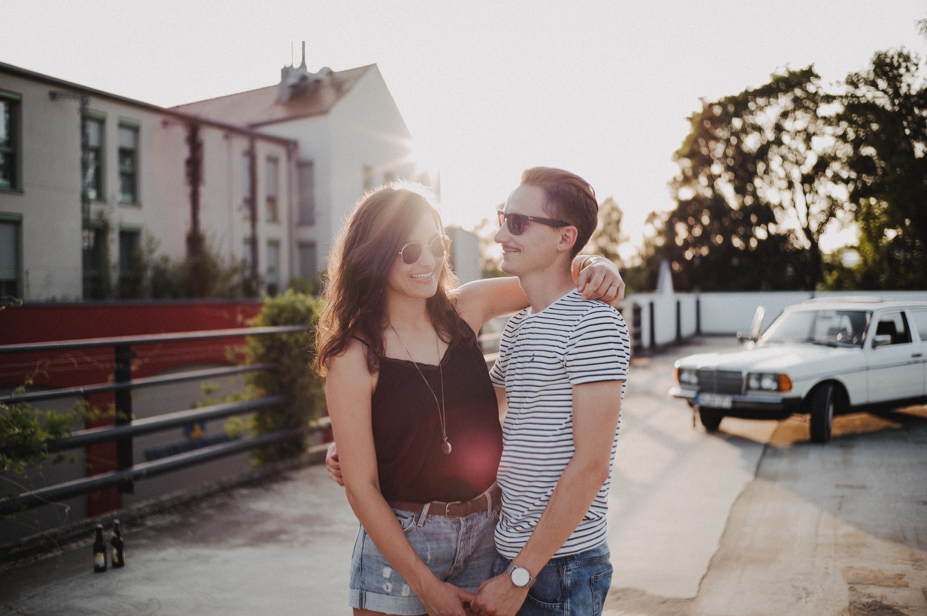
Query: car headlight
{"x": 687, "y": 376}
{"x": 769, "y": 382}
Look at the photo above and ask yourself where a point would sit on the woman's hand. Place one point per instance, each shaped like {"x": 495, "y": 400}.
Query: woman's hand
{"x": 598, "y": 278}
{"x": 333, "y": 464}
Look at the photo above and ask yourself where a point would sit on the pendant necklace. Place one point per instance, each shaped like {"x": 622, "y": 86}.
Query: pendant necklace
{"x": 442, "y": 409}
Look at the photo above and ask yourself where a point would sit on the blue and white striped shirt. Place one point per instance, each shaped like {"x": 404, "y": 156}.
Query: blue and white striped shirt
{"x": 542, "y": 356}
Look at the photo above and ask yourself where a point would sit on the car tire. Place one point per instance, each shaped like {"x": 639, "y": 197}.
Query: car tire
{"x": 823, "y": 400}
{"x": 711, "y": 418}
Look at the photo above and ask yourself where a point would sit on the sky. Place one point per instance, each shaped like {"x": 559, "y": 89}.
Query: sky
{"x": 488, "y": 88}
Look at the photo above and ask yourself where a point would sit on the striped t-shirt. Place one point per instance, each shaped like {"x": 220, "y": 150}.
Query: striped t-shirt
{"x": 541, "y": 357}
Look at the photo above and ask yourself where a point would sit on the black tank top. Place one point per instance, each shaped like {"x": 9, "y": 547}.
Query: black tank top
{"x": 407, "y": 431}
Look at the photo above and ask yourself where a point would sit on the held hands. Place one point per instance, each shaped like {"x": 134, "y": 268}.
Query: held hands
{"x": 334, "y": 465}
{"x": 445, "y": 599}
{"x": 498, "y": 596}
{"x": 599, "y": 278}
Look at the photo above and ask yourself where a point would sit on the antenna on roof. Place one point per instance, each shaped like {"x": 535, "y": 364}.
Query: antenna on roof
{"x": 303, "y": 65}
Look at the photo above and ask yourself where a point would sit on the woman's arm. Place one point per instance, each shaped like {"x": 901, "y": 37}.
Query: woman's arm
{"x": 482, "y": 300}
{"x": 348, "y": 390}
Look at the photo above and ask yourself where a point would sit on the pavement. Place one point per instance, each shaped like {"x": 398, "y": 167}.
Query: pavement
{"x": 751, "y": 521}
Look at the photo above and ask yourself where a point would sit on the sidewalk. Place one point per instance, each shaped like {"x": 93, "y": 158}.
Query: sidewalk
{"x": 283, "y": 547}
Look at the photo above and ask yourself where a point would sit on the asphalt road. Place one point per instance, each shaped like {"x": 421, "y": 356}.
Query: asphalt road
{"x": 750, "y": 521}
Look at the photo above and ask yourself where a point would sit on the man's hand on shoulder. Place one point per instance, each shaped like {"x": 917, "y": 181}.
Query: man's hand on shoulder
{"x": 498, "y": 596}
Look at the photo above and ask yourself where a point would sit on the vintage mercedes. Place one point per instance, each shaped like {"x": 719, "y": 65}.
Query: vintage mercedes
{"x": 822, "y": 357}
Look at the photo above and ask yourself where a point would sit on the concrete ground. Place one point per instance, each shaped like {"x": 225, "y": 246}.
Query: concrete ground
{"x": 753, "y": 520}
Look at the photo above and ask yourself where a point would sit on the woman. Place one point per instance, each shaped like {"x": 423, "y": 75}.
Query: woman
{"x": 412, "y": 408}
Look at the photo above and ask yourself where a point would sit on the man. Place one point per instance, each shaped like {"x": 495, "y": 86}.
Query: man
{"x": 560, "y": 372}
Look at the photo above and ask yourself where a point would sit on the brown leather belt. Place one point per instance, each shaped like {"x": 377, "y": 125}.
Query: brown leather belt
{"x": 457, "y": 509}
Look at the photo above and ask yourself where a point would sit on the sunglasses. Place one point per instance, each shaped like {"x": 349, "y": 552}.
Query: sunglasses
{"x": 516, "y": 222}
{"x": 412, "y": 251}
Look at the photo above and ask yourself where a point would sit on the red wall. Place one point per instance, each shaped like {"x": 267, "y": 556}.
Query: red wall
{"x": 55, "y": 322}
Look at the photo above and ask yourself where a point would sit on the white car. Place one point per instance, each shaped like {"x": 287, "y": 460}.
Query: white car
{"x": 821, "y": 357}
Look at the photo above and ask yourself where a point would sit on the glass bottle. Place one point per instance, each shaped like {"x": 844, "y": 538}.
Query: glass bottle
{"x": 119, "y": 551}
{"x": 99, "y": 551}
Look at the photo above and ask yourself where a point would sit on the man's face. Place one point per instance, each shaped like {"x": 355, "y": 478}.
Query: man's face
{"x": 535, "y": 248}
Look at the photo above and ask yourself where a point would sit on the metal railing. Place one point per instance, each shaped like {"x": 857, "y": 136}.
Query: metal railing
{"x": 126, "y": 428}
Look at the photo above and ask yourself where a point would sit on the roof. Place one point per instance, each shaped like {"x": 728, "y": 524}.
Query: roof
{"x": 262, "y": 106}
{"x": 858, "y": 302}
{"x": 174, "y": 112}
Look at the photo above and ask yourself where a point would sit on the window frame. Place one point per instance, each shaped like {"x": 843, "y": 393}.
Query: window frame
{"x": 271, "y": 189}
{"x": 15, "y": 221}
{"x": 100, "y": 165}
{"x": 14, "y": 100}
{"x": 124, "y": 171}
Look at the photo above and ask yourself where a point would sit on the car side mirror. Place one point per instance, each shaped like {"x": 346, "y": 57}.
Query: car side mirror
{"x": 754, "y": 327}
{"x": 883, "y": 340}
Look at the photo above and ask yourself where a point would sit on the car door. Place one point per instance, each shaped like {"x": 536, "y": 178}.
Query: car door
{"x": 918, "y": 321}
{"x": 895, "y": 370}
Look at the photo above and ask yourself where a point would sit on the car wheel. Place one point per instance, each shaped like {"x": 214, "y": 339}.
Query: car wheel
{"x": 711, "y": 418}
{"x": 822, "y": 412}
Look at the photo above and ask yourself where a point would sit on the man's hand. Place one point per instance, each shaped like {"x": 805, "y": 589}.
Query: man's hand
{"x": 600, "y": 279}
{"x": 333, "y": 465}
{"x": 498, "y": 596}
{"x": 443, "y": 599}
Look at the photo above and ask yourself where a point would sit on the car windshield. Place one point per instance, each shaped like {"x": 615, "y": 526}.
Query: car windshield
{"x": 827, "y": 327}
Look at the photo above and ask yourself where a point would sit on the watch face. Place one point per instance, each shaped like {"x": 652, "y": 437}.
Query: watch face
{"x": 520, "y": 577}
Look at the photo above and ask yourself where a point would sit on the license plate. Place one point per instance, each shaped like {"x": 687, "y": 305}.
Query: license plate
{"x": 719, "y": 401}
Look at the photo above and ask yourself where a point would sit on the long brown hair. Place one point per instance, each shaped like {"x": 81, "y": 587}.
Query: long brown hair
{"x": 358, "y": 268}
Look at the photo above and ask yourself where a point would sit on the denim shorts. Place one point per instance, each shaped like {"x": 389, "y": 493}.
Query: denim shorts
{"x": 459, "y": 551}
{"x": 571, "y": 585}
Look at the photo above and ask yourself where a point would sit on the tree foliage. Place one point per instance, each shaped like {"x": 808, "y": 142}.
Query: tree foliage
{"x": 884, "y": 124}
{"x": 759, "y": 184}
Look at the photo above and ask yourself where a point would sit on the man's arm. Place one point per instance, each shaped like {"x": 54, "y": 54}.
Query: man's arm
{"x": 596, "y": 409}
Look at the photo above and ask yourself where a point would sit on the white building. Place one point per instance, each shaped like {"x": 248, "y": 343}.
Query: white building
{"x": 278, "y": 168}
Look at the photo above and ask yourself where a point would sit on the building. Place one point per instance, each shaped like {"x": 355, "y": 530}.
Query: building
{"x": 88, "y": 179}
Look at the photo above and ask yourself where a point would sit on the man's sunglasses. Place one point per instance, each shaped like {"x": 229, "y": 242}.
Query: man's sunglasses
{"x": 516, "y": 222}
{"x": 412, "y": 251}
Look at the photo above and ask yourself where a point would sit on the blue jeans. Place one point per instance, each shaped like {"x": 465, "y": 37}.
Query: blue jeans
{"x": 568, "y": 586}
{"x": 460, "y": 551}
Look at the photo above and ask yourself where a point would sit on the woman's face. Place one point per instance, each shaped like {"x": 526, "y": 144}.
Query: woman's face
{"x": 419, "y": 279}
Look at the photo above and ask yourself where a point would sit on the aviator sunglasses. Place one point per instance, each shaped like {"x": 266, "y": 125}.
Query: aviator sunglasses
{"x": 516, "y": 222}
{"x": 412, "y": 251}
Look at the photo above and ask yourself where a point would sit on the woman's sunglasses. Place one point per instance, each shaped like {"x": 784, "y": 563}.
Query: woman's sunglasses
{"x": 516, "y": 222}
{"x": 412, "y": 251}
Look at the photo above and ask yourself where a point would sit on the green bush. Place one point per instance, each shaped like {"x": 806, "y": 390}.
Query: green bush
{"x": 295, "y": 377}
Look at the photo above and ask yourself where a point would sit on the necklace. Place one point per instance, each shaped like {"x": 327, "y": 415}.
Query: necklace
{"x": 442, "y": 409}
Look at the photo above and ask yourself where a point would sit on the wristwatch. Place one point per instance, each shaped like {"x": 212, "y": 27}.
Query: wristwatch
{"x": 520, "y": 576}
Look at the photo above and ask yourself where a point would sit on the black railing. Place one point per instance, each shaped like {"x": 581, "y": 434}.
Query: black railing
{"x": 126, "y": 428}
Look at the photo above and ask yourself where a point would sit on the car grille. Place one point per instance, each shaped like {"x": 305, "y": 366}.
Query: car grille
{"x": 720, "y": 381}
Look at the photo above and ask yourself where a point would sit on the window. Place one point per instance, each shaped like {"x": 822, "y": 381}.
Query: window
{"x": 93, "y": 180}
{"x": 246, "y": 185}
{"x": 9, "y": 258}
{"x": 270, "y": 172}
{"x": 130, "y": 264}
{"x": 919, "y": 321}
{"x": 95, "y": 263}
{"x": 308, "y": 267}
{"x": 128, "y": 164}
{"x": 894, "y": 324}
{"x": 273, "y": 267}
{"x": 10, "y": 177}
{"x": 306, "y": 171}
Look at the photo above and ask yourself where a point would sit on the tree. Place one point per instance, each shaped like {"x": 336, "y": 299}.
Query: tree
{"x": 884, "y": 124}
{"x": 760, "y": 181}
{"x": 607, "y": 236}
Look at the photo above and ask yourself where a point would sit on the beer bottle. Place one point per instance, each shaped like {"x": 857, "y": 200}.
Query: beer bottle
{"x": 99, "y": 551}
{"x": 119, "y": 551}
